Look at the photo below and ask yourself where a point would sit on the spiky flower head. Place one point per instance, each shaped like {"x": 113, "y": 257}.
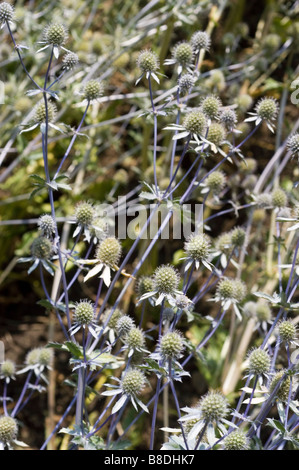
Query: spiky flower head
{"x": 183, "y": 302}
{"x": 263, "y": 311}
{"x": 55, "y": 34}
{"x": 93, "y": 90}
{"x": 198, "y": 246}
{"x": 8, "y": 429}
{"x": 216, "y": 181}
{"x": 6, "y": 12}
{"x": 284, "y": 388}
{"x": 45, "y": 357}
{"x": 99, "y": 228}
{"x": 133, "y": 382}
{"x": 84, "y": 312}
{"x": 244, "y": 102}
{"x": 264, "y": 200}
{"x": 70, "y": 60}
{"x": 228, "y": 118}
{"x": 46, "y": 225}
{"x": 39, "y": 356}
{"x": 214, "y": 406}
{"x": 171, "y": 345}
{"x": 183, "y": 54}
{"x": 267, "y": 108}
{"x": 210, "y": 106}
{"x": 216, "y": 133}
{"x": 200, "y": 40}
{"x": 116, "y": 315}
{"x": 84, "y": 213}
{"x": 124, "y": 324}
{"x": 224, "y": 243}
{"x": 135, "y": 338}
{"x": 186, "y": 82}
{"x": 148, "y": 61}
{"x": 287, "y": 331}
{"x": 226, "y": 288}
{"x": 238, "y": 236}
{"x": 8, "y": 369}
{"x": 195, "y": 122}
{"x": 236, "y": 440}
{"x": 42, "y": 248}
{"x": 240, "y": 290}
{"x": 145, "y": 285}
{"x": 166, "y": 279}
{"x": 279, "y": 198}
{"x": 293, "y": 144}
{"x": 41, "y": 112}
{"x": 259, "y": 362}
{"x": 109, "y": 251}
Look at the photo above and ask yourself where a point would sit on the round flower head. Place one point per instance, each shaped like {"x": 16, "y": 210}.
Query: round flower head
{"x": 109, "y": 251}
{"x": 45, "y": 357}
{"x": 183, "y": 302}
{"x": 93, "y": 90}
{"x": 263, "y": 312}
{"x": 135, "y": 339}
{"x": 228, "y": 118}
{"x": 41, "y": 248}
{"x": 166, "y": 279}
{"x": 224, "y": 243}
{"x": 70, "y": 60}
{"x": 133, "y": 382}
{"x": 279, "y": 198}
{"x": 264, "y": 200}
{"x": 216, "y": 133}
{"x": 244, "y": 102}
{"x": 197, "y": 247}
{"x": 84, "y": 213}
{"x": 99, "y": 229}
{"x": 183, "y": 54}
{"x": 216, "y": 181}
{"x": 145, "y": 285}
{"x": 259, "y": 362}
{"x": 287, "y": 331}
{"x": 46, "y": 225}
{"x": 226, "y": 289}
{"x": 55, "y": 34}
{"x": 271, "y": 43}
{"x": 186, "y": 82}
{"x": 240, "y": 290}
{"x": 8, "y": 429}
{"x": 32, "y": 357}
{"x": 84, "y": 313}
{"x": 210, "y": 106}
{"x": 284, "y": 388}
{"x": 124, "y": 324}
{"x": 6, "y": 12}
{"x": 267, "y": 108}
{"x": 200, "y": 40}
{"x": 168, "y": 314}
{"x": 236, "y": 440}
{"x": 293, "y": 144}
{"x": 40, "y": 112}
{"x": 148, "y": 61}
{"x": 8, "y": 369}
{"x": 195, "y": 122}
{"x": 216, "y": 80}
{"x": 171, "y": 345}
{"x": 214, "y": 407}
{"x": 238, "y": 236}
{"x": 116, "y": 315}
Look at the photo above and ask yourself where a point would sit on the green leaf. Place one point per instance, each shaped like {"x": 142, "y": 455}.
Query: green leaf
{"x": 274, "y": 423}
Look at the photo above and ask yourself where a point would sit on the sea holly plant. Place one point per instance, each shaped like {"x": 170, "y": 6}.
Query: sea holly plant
{"x": 200, "y": 323}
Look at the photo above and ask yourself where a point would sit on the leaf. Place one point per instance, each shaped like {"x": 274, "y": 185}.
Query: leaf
{"x": 274, "y": 423}
{"x": 75, "y": 350}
